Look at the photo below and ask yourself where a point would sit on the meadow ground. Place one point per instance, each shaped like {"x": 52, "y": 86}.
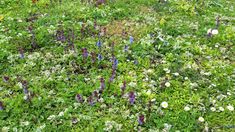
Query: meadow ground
{"x": 124, "y": 65}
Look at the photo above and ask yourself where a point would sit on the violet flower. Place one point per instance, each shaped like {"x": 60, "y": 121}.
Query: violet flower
{"x": 141, "y": 120}
{"x": 102, "y": 85}
{"x": 136, "y": 62}
{"x": 84, "y": 52}
{"x": 79, "y": 98}
{"x": 131, "y": 40}
{"x": 115, "y": 63}
{"x": 99, "y": 43}
{"x": 90, "y": 100}
{"x": 100, "y": 57}
{"x": 6, "y": 79}
{"x": 123, "y": 88}
{"x": 1, "y": 105}
{"x": 132, "y": 97}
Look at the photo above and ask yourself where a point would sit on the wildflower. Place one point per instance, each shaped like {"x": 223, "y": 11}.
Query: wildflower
{"x": 74, "y": 121}
{"x": 141, "y": 120}
{"x": 213, "y": 109}
{"x": 123, "y": 87}
{"x": 186, "y": 108}
{"x": 221, "y": 109}
{"x": 84, "y": 52}
{"x": 230, "y": 108}
{"x": 126, "y": 48}
{"x": 164, "y": 104}
{"x": 61, "y": 114}
{"x": 131, "y": 39}
{"x": 79, "y": 98}
{"x": 102, "y": 85}
{"x": 136, "y": 62}
{"x": 6, "y": 79}
{"x": 115, "y": 63}
{"x": 167, "y": 84}
{"x": 1, "y": 105}
{"x": 99, "y": 43}
{"x": 90, "y": 100}
{"x": 201, "y": 119}
{"x": 132, "y": 97}
{"x": 214, "y": 31}
{"x": 99, "y": 57}
{"x": 51, "y": 117}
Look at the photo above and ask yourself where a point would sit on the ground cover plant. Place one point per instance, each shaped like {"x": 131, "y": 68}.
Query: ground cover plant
{"x": 117, "y": 65}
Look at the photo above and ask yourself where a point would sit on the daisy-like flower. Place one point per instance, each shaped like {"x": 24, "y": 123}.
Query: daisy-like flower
{"x": 167, "y": 84}
{"x": 201, "y": 119}
{"x": 230, "y": 108}
{"x": 164, "y": 104}
{"x": 186, "y": 108}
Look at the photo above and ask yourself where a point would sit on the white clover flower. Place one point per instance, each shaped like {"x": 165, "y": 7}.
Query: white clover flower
{"x": 201, "y": 119}
{"x": 167, "y": 84}
{"x": 167, "y": 70}
{"x": 185, "y": 78}
{"x": 51, "y": 117}
{"x": 186, "y": 108}
{"x": 209, "y": 31}
{"x": 176, "y": 74}
{"x": 221, "y": 109}
{"x": 214, "y": 31}
{"x": 164, "y": 104}
{"x": 61, "y": 114}
{"x": 230, "y": 108}
{"x": 213, "y": 109}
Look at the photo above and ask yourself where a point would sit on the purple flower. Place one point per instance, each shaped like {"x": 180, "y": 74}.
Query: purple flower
{"x": 102, "y": 85}
{"x": 131, "y": 39}
{"x": 84, "y": 52}
{"x": 24, "y": 84}
{"x": 141, "y": 120}
{"x": 6, "y": 79}
{"x": 100, "y": 57}
{"x": 1, "y": 105}
{"x": 90, "y": 100}
{"x": 123, "y": 87}
{"x": 79, "y": 98}
{"x": 136, "y": 62}
{"x": 99, "y": 44}
{"x": 115, "y": 63}
{"x": 132, "y": 97}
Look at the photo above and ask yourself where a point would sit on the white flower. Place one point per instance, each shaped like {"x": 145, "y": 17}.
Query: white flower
{"x": 61, "y": 113}
{"x": 176, "y": 74}
{"x": 167, "y": 70}
{"x": 214, "y": 31}
{"x": 209, "y": 31}
{"x": 167, "y": 84}
{"x": 221, "y": 109}
{"x": 26, "y": 123}
{"x": 164, "y": 104}
{"x": 230, "y": 108}
{"x": 51, "y": 117}
{"x": 213, "y": 109}
{"x": 186, "y": 108}
{"x": 201, "y": 119}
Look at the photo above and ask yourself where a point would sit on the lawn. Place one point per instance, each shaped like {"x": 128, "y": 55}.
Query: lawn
{"x": 117, "y": 65}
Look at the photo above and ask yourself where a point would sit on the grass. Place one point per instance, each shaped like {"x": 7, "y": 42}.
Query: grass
{"x": 172, "y": 59}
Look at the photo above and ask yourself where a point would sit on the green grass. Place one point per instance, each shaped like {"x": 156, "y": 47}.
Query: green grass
{"x": 205, "y": 65}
